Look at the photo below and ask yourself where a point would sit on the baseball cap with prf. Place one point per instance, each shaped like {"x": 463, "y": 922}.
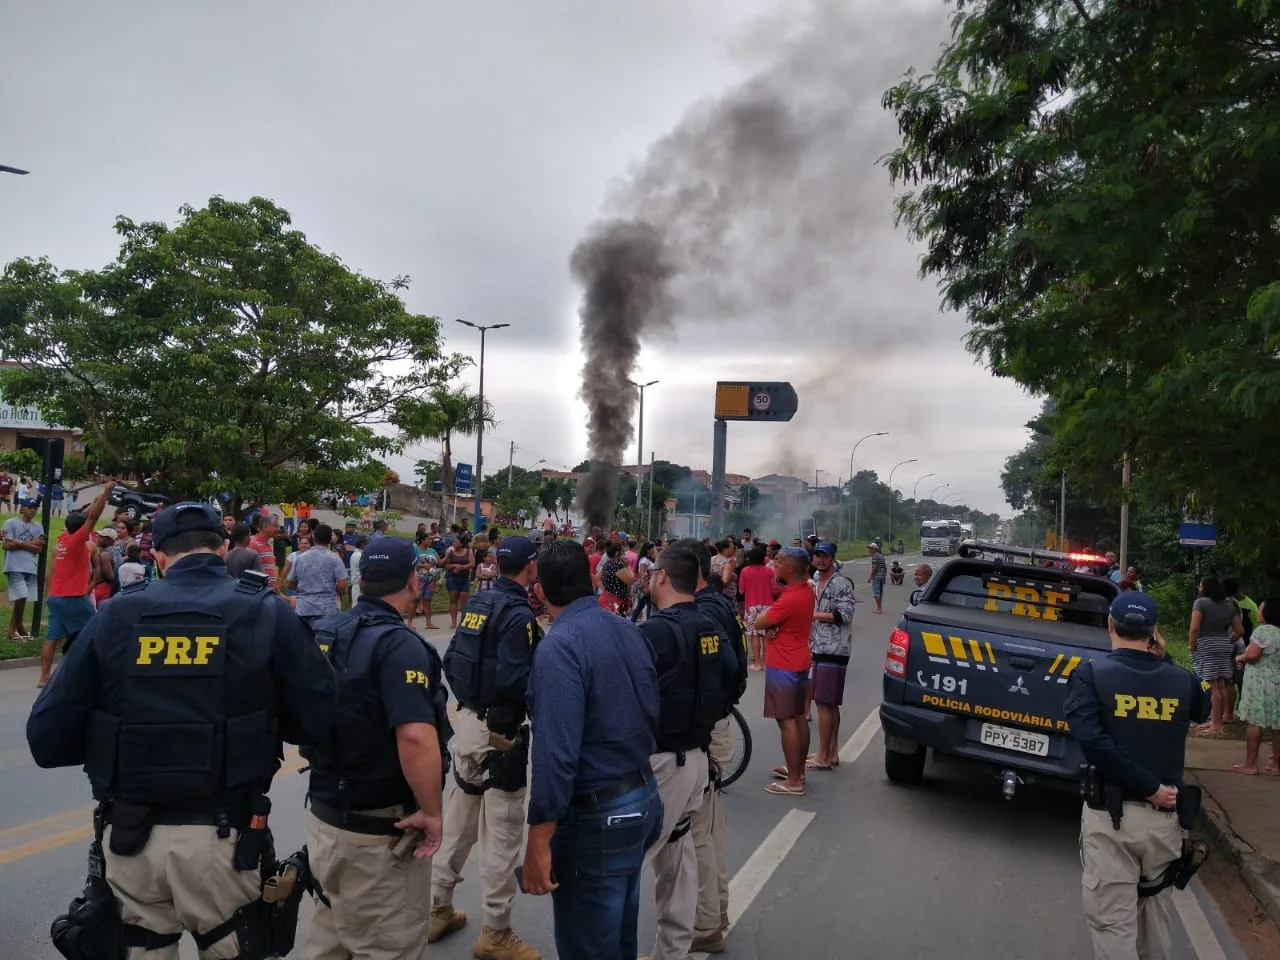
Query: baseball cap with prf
{"x": 185, "y": 517}
{"x": 1134, "y": 611}
{"x": 388, "y": 559}
{"x": 521, "y": 549}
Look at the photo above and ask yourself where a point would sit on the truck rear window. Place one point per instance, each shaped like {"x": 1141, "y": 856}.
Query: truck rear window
{"x": 1026, "y": 592}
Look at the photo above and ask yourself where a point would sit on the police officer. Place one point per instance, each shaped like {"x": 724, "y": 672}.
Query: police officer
{"x": 175, "y": 700}
{"x": 487, "y": 666}
{"x": 376, "y": 785}
{"x": 1130, "y": 711}
{"x": 709, "y": 835}
{"x": 687, "y": 649}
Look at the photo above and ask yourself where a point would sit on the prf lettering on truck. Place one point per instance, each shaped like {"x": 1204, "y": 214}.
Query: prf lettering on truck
{"x": 1028, "y": 600}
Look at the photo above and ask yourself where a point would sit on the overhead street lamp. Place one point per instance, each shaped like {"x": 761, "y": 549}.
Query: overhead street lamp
{"x": 19, "y": 172}
{"x": 892, "y": 495}
{"x": 640, "y": 437}
{"x": 476, "y": 474}
{"x": 937, "y": 488}
{"x": 878, "y": 433}
{"x": 915, "y": 504}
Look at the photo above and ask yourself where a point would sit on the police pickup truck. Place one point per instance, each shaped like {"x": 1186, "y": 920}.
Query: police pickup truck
{"x": 977, "y": 667}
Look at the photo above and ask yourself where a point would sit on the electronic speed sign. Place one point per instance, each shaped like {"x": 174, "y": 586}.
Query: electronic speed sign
{"x": 772, "y": 400}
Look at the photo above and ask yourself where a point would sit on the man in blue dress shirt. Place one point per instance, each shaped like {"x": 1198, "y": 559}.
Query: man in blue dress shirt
{"x": 593, "y": 802}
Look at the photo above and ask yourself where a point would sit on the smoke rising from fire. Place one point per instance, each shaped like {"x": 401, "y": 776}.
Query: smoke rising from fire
{"x": 752, "y": 207}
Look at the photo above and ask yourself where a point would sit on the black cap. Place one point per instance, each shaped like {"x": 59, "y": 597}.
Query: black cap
{"x": 521, "y": 549}
{"x": 186, "y": 517}
{"x": 388, "y": 559}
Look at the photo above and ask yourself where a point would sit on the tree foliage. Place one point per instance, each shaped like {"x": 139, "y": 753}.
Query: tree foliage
{"x": 225, "y": 344}
{"x": 450, "y": 411}
{"x": 1094, "y": 184}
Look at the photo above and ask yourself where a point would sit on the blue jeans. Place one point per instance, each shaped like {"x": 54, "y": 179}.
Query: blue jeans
{"x": 598, "y": 867}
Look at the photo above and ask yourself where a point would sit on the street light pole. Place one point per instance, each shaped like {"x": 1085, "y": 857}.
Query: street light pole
{"x": 640, "y": 437}
{"x": 19, "y": 172}
{"x": 878, "y": 433}
{"x": 478, "y": 473}
{"x": 915, "y": 504}
{"x": 892, "y": 493}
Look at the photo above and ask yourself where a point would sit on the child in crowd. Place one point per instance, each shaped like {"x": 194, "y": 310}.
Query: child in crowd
{"x": 428, "y": 579}
{"x": 132, "y": 570}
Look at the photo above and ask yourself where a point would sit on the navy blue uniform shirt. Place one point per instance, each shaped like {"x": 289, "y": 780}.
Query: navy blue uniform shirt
{"x": 405, "y": 672}
{"x": 517, "y": 634}
{"x": 1116, "y": 763}
{"x": 593, "y": 702}
{"x": 306, "y": 690}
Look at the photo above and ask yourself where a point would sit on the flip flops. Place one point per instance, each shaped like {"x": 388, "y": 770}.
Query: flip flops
{"x": 782, "y": 790}
{"x": 1247, "y": 771}
{"x": 811, "y": 763}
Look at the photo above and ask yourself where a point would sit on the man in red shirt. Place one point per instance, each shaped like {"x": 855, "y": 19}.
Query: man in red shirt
{"x": 67, "y": 582}
{"x": 787, "y": 625}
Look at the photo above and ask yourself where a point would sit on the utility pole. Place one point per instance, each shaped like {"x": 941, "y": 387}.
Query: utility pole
{"x": 648, "y": 523}
{"x": 640, "y": 436}
{"x": 1062, "y": 510}
{"x": 478, "y": 472}
{"x": 1126, "y": 477}
{"x": 511, "y": 459}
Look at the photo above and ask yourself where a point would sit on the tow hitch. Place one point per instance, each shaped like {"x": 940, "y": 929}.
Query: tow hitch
{"x": 1011, "y": 781}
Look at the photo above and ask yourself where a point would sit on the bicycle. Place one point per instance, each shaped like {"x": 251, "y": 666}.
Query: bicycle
{"x": 741, "y": 735}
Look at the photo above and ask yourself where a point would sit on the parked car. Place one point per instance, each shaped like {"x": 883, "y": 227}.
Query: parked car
{"x": 135, "y": 503}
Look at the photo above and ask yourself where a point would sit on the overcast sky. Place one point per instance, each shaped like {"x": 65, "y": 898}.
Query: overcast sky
{"x": 470, "y": 146}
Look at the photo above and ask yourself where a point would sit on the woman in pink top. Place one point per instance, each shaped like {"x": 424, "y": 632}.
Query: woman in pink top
{"x": 759, "y": 588}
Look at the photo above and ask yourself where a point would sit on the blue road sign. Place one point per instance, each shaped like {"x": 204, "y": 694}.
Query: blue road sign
{"x": 462, "y": 477}
{"x": 1198, "y": 535}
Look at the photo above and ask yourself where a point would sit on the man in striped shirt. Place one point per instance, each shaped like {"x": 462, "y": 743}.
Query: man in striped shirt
{"x": 262, "y": 541}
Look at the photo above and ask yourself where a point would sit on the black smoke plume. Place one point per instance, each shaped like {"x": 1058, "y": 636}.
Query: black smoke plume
{"x": 754, "y": 207}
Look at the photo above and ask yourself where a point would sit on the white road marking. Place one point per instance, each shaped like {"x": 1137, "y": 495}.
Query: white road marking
{"x": 861, "y": 738}
{"x": 1201, "y": 935}
{"x": 760, "y": 866}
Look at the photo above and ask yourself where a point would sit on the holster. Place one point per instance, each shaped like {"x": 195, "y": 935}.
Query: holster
{"x": 130, "y": 827}
{"x": 504, "y": 719}
{"x": 254, "y": 848}
{"x": 1179, "y": 873}
{"x": 508, "y": 770}
{"x": 1114, "y": 798}
{"x": 91, "y": 929}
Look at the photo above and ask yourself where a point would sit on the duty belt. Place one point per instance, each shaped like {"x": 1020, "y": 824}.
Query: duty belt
{"x": 357, "y": 822}
{"x": 613, "y": 790}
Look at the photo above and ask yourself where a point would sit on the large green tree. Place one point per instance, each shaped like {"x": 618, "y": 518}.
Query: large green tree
{"x": 1093, "y": 181}
{"x": 221, "y": 354}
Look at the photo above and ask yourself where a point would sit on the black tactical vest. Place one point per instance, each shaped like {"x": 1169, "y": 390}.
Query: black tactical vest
{"x": 471, "y": 661}
{"x": 1147, "y": 712}
{"x": 188, "y": 709}
{"x": 691, "y": 695}
{"x": 734, "y": 657}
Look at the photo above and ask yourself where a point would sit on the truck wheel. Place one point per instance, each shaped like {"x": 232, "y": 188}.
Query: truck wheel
{"x": 133, "y": 512}
{"x": 907, "y": 768}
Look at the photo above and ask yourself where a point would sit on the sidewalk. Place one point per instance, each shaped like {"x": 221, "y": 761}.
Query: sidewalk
{"x": 1241, "y": 817}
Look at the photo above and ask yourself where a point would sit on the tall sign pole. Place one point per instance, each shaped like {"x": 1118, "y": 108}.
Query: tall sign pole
{"x": 740, "y": 400}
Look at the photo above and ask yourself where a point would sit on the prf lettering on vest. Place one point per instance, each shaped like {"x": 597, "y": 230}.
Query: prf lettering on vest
{"x": 710, "y": 644}
{"x": 418, "y": 677}
{"x": 1027, "y": 601}
{"x": 178, "y": 651}
{"x": 474, "y": 621}
{"x": 1148, "y": 708}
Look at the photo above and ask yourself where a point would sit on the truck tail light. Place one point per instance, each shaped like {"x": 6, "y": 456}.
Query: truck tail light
{"x": 895, "y": 659}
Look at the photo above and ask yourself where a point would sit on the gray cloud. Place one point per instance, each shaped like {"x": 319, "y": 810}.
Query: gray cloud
{"x": 470, "y": 145}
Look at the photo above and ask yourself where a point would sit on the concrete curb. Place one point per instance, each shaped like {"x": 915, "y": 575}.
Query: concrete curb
{"x": 19, "y": 662}
{"x": 1261, "y": 875}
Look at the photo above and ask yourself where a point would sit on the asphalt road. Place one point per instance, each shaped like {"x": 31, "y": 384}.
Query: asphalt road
{"x": 855, "y": 867}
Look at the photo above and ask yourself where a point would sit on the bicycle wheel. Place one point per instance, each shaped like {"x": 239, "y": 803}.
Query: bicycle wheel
{"x": 741, "y": 735}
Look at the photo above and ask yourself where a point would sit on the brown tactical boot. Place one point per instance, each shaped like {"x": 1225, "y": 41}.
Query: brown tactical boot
{"x": 444, "y": 921}
{"x": 708, "y": 942}
{"x": 502, "y": 945}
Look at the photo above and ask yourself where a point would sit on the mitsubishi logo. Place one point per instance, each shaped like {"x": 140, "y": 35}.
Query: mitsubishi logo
{"x": 1019, "y": 688}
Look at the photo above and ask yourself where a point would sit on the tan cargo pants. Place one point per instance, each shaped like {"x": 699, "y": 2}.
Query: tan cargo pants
{"x": 675, "y": 865}
{"x": 494, "y": 819}
{"x": 379, "y": 906}
{"x": 182, "y": 880}
{"x": 709, "y": 842}
{"x": 1122, "y": 926}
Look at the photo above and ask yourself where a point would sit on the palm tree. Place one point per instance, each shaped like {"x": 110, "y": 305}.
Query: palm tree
{"x": 456, "y": 411}
{"x": 549, "y": 498}
{"x": 567, "y": 493}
